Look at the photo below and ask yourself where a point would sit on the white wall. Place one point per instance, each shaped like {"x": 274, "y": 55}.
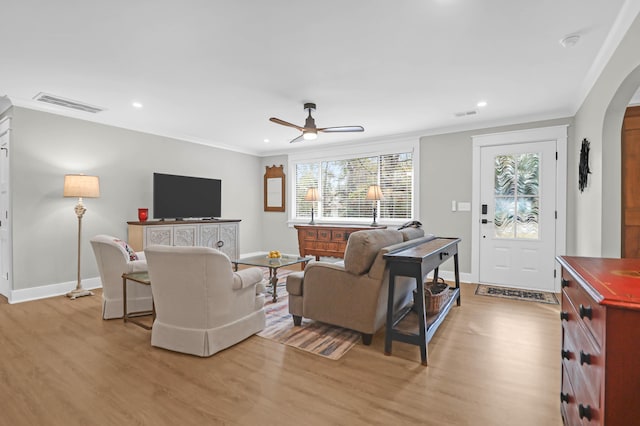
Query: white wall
{"x": 45, "y": 147}
{"x": 597, "y": 224}
{"x": 276, "y": 234}
{"x": 446, "y": 175}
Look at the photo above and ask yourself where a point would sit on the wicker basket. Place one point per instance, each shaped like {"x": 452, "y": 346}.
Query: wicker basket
{"x": 433, "y": 302}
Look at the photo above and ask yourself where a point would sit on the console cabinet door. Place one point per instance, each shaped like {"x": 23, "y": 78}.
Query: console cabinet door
{"x": 223, "y": 236}
{"x": 162, "y": 235}
{"x": 210, "y": 235}
{"x": 185, "y": 235}
{"x": 229, "y": 238}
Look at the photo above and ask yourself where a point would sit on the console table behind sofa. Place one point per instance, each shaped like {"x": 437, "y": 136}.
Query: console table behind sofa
{"x": 222, "y": 234}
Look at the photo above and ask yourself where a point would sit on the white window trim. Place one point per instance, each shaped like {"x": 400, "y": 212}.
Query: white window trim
{"x": 353, "y": 150}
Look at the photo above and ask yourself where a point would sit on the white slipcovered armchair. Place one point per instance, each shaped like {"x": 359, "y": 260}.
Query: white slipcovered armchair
{"x": 202, "y": 305}
{"x": 114, "y": 258}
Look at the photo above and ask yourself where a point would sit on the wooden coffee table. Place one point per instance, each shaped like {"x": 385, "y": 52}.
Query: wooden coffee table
{"x": 273, "y": 264}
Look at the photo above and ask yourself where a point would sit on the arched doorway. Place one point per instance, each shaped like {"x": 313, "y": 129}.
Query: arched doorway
{"x": 612, "y": 162}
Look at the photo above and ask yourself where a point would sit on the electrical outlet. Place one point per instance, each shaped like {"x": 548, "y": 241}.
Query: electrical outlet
{"x": 464, "y": 206}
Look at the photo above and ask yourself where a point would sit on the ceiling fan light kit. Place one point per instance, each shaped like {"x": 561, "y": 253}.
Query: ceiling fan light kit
{"x": 310, "y": 130}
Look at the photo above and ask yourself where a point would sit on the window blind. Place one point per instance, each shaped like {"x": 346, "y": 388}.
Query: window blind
{"x": 343, "y": 186}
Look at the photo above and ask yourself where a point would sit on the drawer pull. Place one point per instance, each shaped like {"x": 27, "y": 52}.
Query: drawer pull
{"x": 564, "y": 283}
{"x": 220, "y": 244}
{"x": 443, "y": 254}
{"x": 585, "y": 358}
{"x": 564, "y": 397}
{"x": 584, "y": 411}
{"x": 566, "y": 354}
{"x": 564, "y": 315}
{"x": 586, "y": 312}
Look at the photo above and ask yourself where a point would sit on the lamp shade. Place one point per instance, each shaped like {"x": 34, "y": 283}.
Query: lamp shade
{"x": 81, "y": 186}
{"x": 374, "y": 193}
{"x": 312, "y": 195}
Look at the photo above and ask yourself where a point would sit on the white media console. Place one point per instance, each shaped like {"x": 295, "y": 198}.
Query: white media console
{"x": 222, "y": 234}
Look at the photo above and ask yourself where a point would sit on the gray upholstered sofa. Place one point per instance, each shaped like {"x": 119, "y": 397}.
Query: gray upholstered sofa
{"x": 353, "y": 294}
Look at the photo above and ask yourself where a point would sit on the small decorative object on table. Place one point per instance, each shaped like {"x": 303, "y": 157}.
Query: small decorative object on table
{"x": 274, "y": 254}
{"x": 143, "y": 215}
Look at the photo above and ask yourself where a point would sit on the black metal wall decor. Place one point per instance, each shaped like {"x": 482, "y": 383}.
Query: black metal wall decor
{"x": 583, "y": 167}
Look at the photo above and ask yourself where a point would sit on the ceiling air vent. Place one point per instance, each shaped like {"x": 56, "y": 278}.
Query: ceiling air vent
{"x": 466, "y": 113}
{"x": 67, "y": 103}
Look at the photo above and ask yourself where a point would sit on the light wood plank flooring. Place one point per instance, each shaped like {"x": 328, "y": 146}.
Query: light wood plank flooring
{"x": 492, "y": 362}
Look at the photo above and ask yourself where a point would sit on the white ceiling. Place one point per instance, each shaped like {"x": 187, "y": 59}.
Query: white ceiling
{"x": 214, "y": 71}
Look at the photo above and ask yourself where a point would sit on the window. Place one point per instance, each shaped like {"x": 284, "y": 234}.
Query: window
{"x": 517, "y": 198}
{"x": 343, "y": 182}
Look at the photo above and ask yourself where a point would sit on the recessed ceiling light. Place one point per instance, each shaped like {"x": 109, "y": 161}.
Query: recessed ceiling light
{"x": 570, "y": 41}
{"x": 482, "y": 104}
{"x": 266, "y": 141}
{"x": 136, "y": 104}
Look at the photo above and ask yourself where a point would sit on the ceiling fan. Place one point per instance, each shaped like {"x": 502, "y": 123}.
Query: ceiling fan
{"x": 310, "y": 131}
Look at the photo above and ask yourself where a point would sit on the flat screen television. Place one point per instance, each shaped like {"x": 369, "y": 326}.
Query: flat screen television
{"x": 180, "y": 197}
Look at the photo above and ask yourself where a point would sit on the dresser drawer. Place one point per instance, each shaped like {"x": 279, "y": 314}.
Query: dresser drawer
{"x": 582, "y": 361}
{"x": 310, "y": 234}
{"x": 589, "y": 311}
{"x": 324, "y": 235}
{"x": 574, "y": 411}
{"x": 339, "y": 235}
{"x": 568, "y": 404}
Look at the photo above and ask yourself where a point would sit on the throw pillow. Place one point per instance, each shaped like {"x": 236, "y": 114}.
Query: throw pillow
{"x": 132, "y": 254}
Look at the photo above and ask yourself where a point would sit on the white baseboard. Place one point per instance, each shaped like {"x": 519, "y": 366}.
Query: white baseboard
{"x": 51, "y": 290}
{"x": 450, "y": 276}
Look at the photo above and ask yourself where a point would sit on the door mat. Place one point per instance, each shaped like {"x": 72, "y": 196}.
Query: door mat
{"x": 312, "y": 336}
{"x": 517, "y": 294}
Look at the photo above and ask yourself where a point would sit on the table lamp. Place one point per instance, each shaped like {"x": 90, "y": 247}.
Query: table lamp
{"x": 374, "y": 194}
{"x": 313, "y": 196}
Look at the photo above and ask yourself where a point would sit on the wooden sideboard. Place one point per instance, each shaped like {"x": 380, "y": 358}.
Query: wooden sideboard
{"x": 326, "y": 240}
{"x": 600, "y": 341}
{"x": 222, "y": 234}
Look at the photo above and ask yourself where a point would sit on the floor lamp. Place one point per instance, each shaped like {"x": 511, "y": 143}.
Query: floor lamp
{"x": 313, "y": 196}
{"x": 80, "y": 186}
{"x": 374, "y": 194}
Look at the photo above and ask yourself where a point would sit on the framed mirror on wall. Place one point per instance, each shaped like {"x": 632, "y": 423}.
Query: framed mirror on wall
{"x": 274, "y": 189}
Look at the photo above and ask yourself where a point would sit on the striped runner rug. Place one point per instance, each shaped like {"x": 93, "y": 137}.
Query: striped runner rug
{"x": 312, "y": 336}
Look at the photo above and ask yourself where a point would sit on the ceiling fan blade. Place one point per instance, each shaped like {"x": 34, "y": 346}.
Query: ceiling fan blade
{"x": 298, "y": 139}
{"x": 342, "y": 129}
{"x": 285, "y": 123}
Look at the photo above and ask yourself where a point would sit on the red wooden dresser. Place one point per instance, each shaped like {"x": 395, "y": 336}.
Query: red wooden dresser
{"x": 600, "y": 341}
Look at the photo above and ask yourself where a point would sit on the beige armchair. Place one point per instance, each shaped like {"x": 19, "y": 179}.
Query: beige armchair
{"x": 114, "y": 258}
{"x": 353, "y": 294}
{"x": 202, "y": 305}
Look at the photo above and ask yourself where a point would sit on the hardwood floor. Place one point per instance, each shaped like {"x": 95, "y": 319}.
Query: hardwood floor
{"x": 492, "y": 362}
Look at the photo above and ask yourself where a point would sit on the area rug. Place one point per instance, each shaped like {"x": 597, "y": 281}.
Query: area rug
{"x": 517, "y": 294}
{"x": 312, "y": 336}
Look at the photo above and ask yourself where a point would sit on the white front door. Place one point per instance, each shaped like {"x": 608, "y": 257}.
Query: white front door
{"x": 5, "y": 225}
{"x": 518, "y": 215}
